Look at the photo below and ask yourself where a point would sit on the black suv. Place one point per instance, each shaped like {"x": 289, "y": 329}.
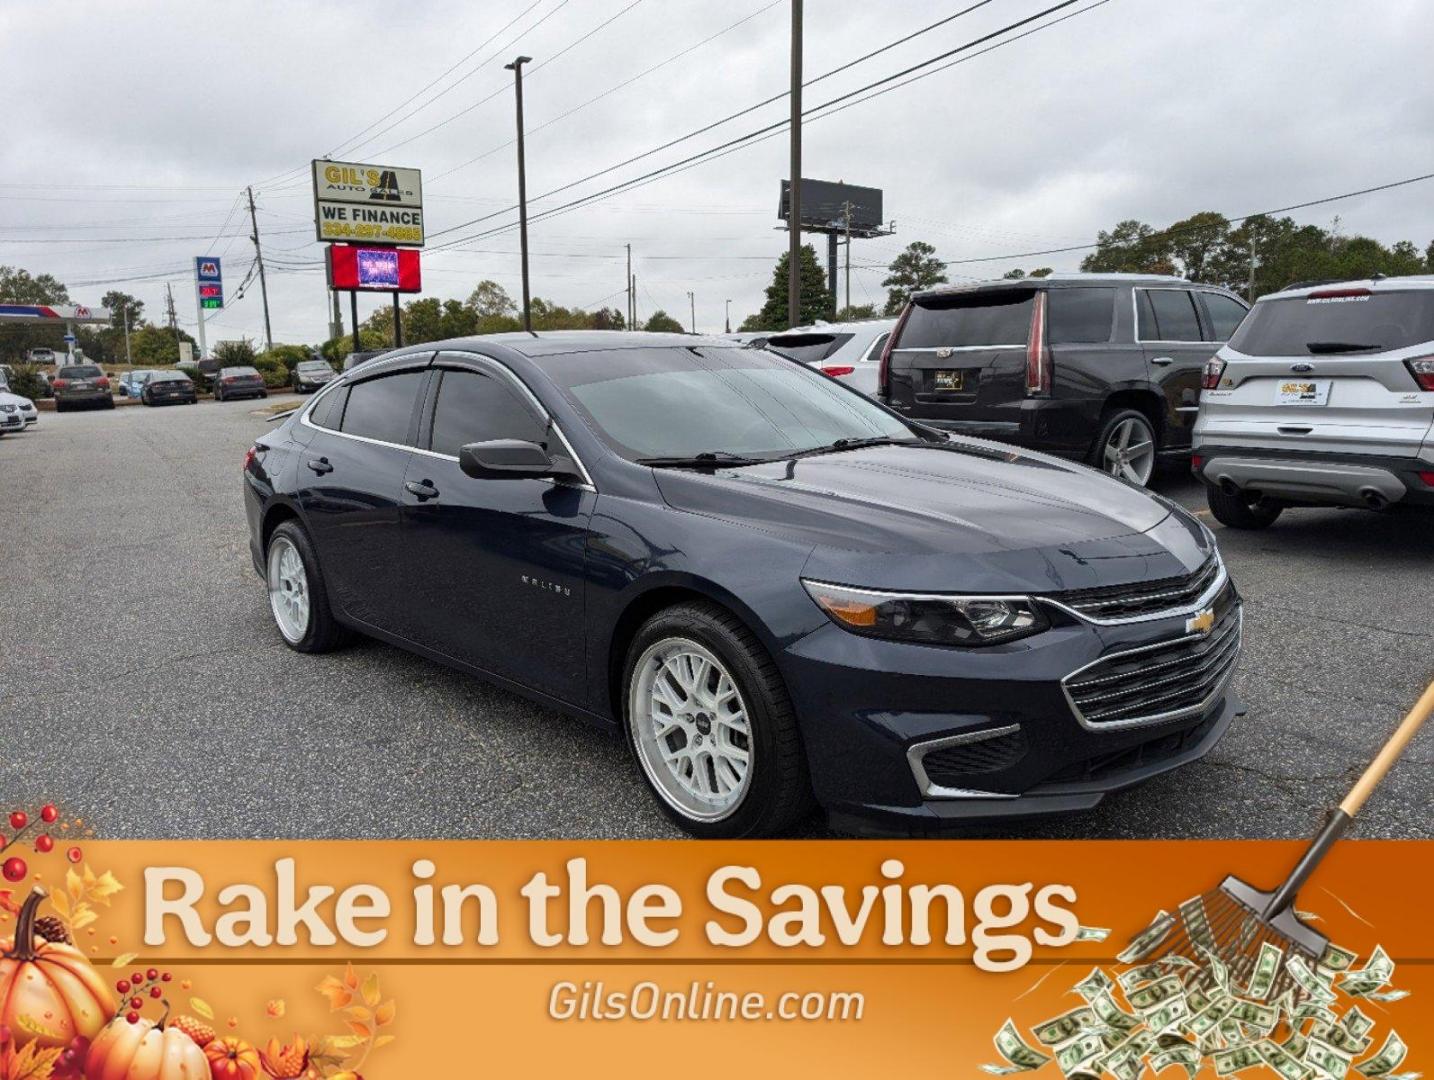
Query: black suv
{"x": 1101, "y": 367}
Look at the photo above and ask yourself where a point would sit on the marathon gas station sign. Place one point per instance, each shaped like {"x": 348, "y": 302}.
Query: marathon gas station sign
{"x": 368, "y": 204}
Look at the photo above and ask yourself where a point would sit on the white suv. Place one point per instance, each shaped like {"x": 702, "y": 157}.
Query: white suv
{"x": 1324, "y": 396}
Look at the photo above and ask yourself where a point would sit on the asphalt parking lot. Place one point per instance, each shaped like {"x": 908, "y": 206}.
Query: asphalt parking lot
{"x": 142, "y": 683}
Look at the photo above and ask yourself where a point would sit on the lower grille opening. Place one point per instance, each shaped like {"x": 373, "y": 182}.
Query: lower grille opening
{"x": 953, "y": 766}
{"x": 1151, "y": 752}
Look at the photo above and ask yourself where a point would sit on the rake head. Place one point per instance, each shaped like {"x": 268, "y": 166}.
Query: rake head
{"x": 1231, "y": 925}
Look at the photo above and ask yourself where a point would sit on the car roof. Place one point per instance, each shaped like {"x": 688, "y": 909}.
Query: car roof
{"x": 1056, "y": 280}
{"x": 1379, "y": 284}
{"x": 555, "y": 342}
{"x": 879, "y": 325}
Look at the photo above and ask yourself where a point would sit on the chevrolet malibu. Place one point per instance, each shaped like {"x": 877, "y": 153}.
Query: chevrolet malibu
{"x": 778, "y": 591}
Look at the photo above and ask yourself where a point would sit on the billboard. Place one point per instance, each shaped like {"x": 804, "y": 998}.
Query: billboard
{"x": 377, "y": 269}
{"x": 374, "y": 204}
{"x": 824, "y": 204}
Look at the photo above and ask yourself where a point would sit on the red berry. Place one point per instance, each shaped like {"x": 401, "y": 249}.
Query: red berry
{"x": 48, "y": 813}
{"x": 152, "y": 974}
{"x": 136, "y": 1003}
{"x": 155, "y": 991}
{"x": 74, "y": 854}
{"x": 14, "y": 869}
{"x": 19, "y": 819}
{"x": 166, "y": 977}
{"x": 137, "y": 978}
{"x": 43, "y": 844}
{"x": 132, "y": 1017}
{"x": 122, "y": 986}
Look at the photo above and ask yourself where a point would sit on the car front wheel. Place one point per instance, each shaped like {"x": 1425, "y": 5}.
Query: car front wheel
{"x": 1235, "y": 511}
{"x": 297, "y": 597}
{"x": 712, "y": 726}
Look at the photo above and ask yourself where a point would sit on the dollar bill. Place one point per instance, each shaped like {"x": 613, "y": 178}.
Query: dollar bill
{"x": 1335, "y": 958}
{"x": 1236, "y": 1059}
{"x": 1197, "y": 998}
{"x": 1282, "y": 1061}
{"x": 1168, "y": 1015}
{"x": 1313, "y": 1010}
{"x": 1355, "y": 1022}
{"x": 1014, "y": 1049}
{"x": 1151, "y": 996}
{"x": 1079, "y": 1052}
{"x": 1257, "y": 1015}
{"x": 1197, "y": 923}
{"x": 1186, "y": 1056}
{"x": 1094, "y": 984}
{"x": 1329, "y": 1060}
{"x": 1149, "y": 939}
{"x": 1063, "y": 1028}
{"x": 1144, "y": 973}
{"x": 1375, "y": 974}
{"x": 1208, "y": 1019}
{"x": 1340, "y": 1037}
{"x": 1296, "y": 1044}
{"x": 1217, "y": 969}
{"x": 1092, "y": 933}
{"x": 1391, "y": 1055}
{"x": 1267, "y": 966}
{"x": 1387, "y": 995}
{"x": 1308, "y": 981}
{"x": 1112, "y": 1015}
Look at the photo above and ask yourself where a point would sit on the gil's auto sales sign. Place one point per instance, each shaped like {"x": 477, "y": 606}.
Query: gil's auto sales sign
{"x": 368, "y": 204}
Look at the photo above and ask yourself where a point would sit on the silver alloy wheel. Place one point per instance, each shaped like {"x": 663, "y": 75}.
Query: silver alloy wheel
{"x": 288, "y": 590}
{"x": 691, "y": 729}
{"x": 1130, "y": 451}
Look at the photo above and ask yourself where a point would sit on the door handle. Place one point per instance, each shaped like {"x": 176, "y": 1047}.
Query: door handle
{"x": 422, "y": 491}
{"x": 1293, "y": 429}
{"x": 1162, "y": 361}
{"x": 320, "y": 465}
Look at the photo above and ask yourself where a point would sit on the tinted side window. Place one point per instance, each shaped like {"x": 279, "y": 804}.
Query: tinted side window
{"x": 1225, "y": 314}
{"x": 330, "y": 409}
{"x": 473, "y": 407}
{"x": 382, "y": 408}
{"x": 1175, "y": 318}
{"x": 873, "y": 352}
{"x": 1079, "y": 315}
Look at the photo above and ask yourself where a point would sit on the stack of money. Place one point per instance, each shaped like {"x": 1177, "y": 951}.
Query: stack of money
{"x": 1193, "y": 1011}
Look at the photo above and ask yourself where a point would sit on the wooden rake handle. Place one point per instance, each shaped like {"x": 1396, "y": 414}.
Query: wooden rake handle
{"x": 1386, "y": 757}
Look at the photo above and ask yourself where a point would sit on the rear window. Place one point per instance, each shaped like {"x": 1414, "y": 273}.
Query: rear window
{"x": 169, "y": 376}
{"x": 1079, "y": 315}
{"x": 238, "y": 371}
{"x": 1337, "y": 322}
{"x": 80, "y": 371}
{"x": 808, "y": 348}
{"x": 1001, "y": 318}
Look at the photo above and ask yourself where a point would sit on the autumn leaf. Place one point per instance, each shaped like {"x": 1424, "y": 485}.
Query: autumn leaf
{"x": 276, "y": 1008}
{"x": 339, "y": 1042}
{"x": 84, "y": 915}
{"x": 384, "y": 1014}
{"x": 103, "y": 888}
{"x": 359, "y": 1013}
{"x": 351, "y": 979}
{"x": 383, "y": 1040}
{"x": 123, "y": 960}
{"x": 363, "y": 1031}
{"x": 7, "y": 902}
{"x": 31, "y": 1062}
{"x": 74, "y": 885}
{"x": 202, "y": 1007}
{"x": 61, "y": 903}
{"x": 338, "y": 994}
{"x": 371, "y": 993}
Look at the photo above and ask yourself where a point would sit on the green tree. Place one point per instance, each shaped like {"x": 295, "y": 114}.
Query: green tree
{"x": 856, "y": 313}
{"x": 237, "y": 353}
{"x": 1132, "y": 247}
{"x": 489, "y": 299}
{"x": 815, "y": 301}
{"x": 1429, "y": 257}
{"x": 154, "y": 346}
{"x": 914, "y": 269}
{"x": 1014, "y": 275}
{"x": 118, "y": 304}
{"x": 607, "y": 318}
{"x": 663, "y": 323}
{"x": 336, "y": 350}
{"x": 286, "y": 356}
{"x": 19, "y": 287}
{"x": 1197, "y": 241}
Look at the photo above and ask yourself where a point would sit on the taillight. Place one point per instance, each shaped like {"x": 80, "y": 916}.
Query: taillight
{"x": 227, "y": 379}
{"x": 59, "y": 384}
{"x": 1196, "y": 463}
{"x": 883, "y": 368}
{"x": 837, "y": 370}
{"x": 1038, "y": 354}
{"x": 1427, "y": 478}
{"x": 1423, "y": 371}
{"x": 1210, "y": 375}
{"x": 249, "y": 456}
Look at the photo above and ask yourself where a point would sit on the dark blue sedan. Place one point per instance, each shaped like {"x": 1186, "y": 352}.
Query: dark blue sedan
{"x": 780, "y": 592}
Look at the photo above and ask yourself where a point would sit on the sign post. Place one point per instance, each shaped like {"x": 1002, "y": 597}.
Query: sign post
{"x": 208, "y": 292}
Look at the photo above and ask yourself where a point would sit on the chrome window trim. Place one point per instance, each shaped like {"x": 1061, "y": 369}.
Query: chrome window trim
{"x": 916, "y": 754}
{"x": 1199, "y": 603}
{"x": 1135, "y": 314}
{"x": 1157, "y": 718}
{"x": 586, "y": 484}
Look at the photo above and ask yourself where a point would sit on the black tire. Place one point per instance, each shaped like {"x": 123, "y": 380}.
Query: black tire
{"x": 59, "y": 406}
{"x": 1112, "y": 420}
{"x": 324, "y": 632}
{"x": 109, "y": 403}
{"x": 219, "y": 396}
{"x": 779, "y": 791}
{"x": 1237, "y": 512}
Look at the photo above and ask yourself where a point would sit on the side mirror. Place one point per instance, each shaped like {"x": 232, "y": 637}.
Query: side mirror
{"x": 507, "y": 459}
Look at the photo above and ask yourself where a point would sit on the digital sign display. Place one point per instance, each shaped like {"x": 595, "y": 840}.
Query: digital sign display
{"x": 374, "y": 269}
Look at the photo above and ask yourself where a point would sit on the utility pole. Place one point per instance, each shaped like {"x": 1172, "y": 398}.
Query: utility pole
{"x": 629, "y": 287}
{"x": 794, "y": 201}
{"x": 173, "y": 318}
{"x": 516, "y": 67}
{"x": 263, "y": 286}
{"x": 634, "y": 301}
{"x": 846, "y": 218}
{"x": 124, "y": 310}
{"x": 1254, "y": 259}
{"x": 692, "y": 302}
{"x": 336, "y": 324}
{"x": 728, "y": 321}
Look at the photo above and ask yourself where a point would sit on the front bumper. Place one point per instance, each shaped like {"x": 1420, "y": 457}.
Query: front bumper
{"x": 875, "y": 712}
{"x": 12, "y": 422}
{"x": 1320, "y": 479}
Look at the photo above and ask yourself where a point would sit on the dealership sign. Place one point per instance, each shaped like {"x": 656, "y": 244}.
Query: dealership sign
{"x": 209, "y": 280}
{"x": 371, "y": 204}
{"x": 377, "y": 269}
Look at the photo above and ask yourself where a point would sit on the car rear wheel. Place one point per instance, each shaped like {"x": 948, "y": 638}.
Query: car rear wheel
{"x": 712, "y": 727}
{"x": 297, "y": 597}
{"x": 1238, "y": 512}
{"x": 1126, "y": 447}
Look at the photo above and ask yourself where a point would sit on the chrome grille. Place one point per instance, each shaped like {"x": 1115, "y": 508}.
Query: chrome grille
{"x": 1144, "y": 598}
{"x": 1158, "y": 682}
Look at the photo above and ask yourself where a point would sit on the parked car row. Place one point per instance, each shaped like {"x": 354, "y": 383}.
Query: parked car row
{"x": 77, "y": 385}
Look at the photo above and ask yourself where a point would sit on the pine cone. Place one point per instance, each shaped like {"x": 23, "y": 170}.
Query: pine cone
{"x": 52, "y": 929}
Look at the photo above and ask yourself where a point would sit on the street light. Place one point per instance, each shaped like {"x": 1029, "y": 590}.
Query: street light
{"x": 516, "y": 67}
{"x": 729, "y": 317}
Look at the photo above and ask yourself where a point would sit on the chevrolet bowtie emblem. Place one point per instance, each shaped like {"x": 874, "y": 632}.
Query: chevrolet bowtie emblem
{"x": 1200, "y": 623}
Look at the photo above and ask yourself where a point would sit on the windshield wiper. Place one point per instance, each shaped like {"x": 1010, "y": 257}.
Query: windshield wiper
{"x": 1340, "y": 346}
{"x": 708, "y": 459}
{"x": 852, "y": 444}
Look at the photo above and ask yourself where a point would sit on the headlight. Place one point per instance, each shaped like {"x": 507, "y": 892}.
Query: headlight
{"x": 934, "y": 620}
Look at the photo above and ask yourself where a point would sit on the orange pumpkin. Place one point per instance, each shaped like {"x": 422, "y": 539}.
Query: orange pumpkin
{"x": 232, "y": 1058}
{"x": 144, "y": 1051}
{"x": 49, "y": 994}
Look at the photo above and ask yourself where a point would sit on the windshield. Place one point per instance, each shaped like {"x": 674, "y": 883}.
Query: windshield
{"x": 80, "y": 371}
{"x": 671, "y": 402}
{"x": 314, "y": 366}
{"x": 1337, "y": 320}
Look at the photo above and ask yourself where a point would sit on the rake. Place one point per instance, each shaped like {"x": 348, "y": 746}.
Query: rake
{"x": 1233, "y": 921}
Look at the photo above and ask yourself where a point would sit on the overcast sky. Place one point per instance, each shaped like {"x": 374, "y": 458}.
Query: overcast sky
{"x": 132, "y": 126}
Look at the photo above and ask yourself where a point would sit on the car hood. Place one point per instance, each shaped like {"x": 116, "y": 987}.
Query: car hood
{"x": 7, "y": 398}
{"x": 964, "y": 515}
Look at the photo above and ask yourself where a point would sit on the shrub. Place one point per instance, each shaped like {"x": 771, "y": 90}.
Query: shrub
{"x": 288, "y": 355}
{"x": 27, "y": 382}
{"x": 235, "y": 353}
{"x": 273, "y": 368}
